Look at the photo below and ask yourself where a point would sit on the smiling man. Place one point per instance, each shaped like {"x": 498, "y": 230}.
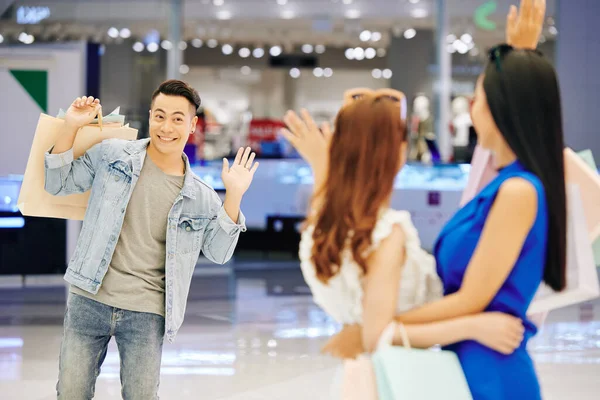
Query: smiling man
{"x": 148, "y": 218}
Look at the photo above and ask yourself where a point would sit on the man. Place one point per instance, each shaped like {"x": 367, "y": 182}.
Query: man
{"x": 148, "y": 218}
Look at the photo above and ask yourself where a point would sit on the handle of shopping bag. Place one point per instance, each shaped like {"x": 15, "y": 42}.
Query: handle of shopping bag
{"x": 387, "y": 337}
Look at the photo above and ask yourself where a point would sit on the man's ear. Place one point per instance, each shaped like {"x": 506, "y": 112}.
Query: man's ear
{"x": 194, "y": 123}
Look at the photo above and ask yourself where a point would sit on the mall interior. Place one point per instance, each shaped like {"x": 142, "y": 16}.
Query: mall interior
{"x": 252, "y": 330}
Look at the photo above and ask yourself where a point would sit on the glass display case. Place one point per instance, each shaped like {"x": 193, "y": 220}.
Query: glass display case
{"x": 431, "y": 193}
{"x": 9, "y": 193}
{"x": 296, "y": 172}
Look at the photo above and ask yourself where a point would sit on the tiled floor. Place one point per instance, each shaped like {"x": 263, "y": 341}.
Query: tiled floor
{"x": 264, "y": 348}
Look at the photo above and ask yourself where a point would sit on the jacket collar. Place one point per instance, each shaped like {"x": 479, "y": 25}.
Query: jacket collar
{"x": 189, "y": 184}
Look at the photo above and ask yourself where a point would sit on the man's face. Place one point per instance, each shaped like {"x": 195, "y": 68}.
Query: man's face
{"x": 172, "y": 119}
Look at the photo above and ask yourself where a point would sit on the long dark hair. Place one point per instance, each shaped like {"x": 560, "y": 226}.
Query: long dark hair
{"x": 363, "y": 162}
{"x": 524, "y": 98}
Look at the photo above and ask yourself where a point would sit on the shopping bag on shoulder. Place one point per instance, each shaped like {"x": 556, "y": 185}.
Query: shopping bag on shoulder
{"x": 33, "y": 199}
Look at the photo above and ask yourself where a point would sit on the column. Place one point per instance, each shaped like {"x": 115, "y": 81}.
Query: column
{"x": 175, "y": 55}
{"x": 444, "y": 77}
{"x": 577, "y": 61}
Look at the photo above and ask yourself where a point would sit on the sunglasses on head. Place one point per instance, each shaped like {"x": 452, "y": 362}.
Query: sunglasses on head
{"x": 497, "y": 54}
{"x": 394, "y": 95}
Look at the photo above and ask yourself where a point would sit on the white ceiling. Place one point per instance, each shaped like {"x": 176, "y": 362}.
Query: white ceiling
{"x": 261, "y": 22}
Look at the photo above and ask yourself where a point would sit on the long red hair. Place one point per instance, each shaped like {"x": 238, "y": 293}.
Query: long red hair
{"x": 364, "y": 159}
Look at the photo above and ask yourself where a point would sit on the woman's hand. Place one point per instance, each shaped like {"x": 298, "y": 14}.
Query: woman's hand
{"x": 498, "y": 331}
{"x": 345, "y": 344}
{"x": 524, "y": 26}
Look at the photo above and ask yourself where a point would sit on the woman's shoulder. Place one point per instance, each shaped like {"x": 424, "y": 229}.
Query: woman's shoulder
{"x": 388, "y": 219}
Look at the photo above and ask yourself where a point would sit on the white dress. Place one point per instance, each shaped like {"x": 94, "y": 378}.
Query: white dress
{"x": 341, "y": 297}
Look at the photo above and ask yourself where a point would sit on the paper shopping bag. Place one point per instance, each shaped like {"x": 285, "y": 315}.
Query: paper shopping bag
{"x": 359, "y": 380}
{"x": 582, "y": 278}
{"x": 33, "y": 199}
{"x": 588, "y": 157}
{"x": 482, "y": 173}
{"x": 577, "y": 171}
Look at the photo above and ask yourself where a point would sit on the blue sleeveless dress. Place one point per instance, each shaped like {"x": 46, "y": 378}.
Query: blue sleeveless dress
{"x": 491, "y": 375}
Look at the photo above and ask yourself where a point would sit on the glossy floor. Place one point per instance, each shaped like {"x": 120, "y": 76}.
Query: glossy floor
{"x": 263, "y": 348}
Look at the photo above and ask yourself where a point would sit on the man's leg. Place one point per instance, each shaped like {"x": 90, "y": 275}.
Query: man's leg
{"x": 83, "y": 349}
{"x": 139, "y": 337}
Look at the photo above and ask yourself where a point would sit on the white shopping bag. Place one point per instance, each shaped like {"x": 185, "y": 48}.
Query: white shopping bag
{"x": 582, "y": 278}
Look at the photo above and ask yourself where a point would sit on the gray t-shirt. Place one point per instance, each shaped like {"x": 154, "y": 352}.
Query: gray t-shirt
{"x": 135, "y": 279}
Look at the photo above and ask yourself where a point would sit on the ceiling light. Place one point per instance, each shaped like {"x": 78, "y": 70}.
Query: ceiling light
{"x": 460, "y": 46}
{"x": 197, "y": 43}
{"x": 347, "y": 2}
{"x": 275, "y": 51}
{"x": 113, "y": 32}
{"x": 376, "y": 73}
{"x": 376, "y": 36}
{"x": 1, "y": 38}
{"x": 288, "y": 14}
{"x": 359, "y": 53}
{"x": 184, "y": 69}
{"x": 365, "y": 36}
{"x": 212, "y": 43}
{"x": 182, "y": 45}
{"x": 165, "y": 44}
{"x": 295, "y": 73}
{"x": 419, "y": 13}
{"x": 370, "y": 53}
{"x": 451, "y": 38}
{"x": 450, "y": 48}
{"x": 246, "y": 70}
{"x": 410, "y": 33}
{"x": 152, "y": 47}
{"x": 387, "y": 73}
{"x": 244, "y": 52}
{"x": 414, "y": 1}
{"x": 318, "y": 72}
{"x": 138, "y": 47}
{"x": 227, "y": 49}
{"x": 282, "y": 2}
{"x": 553, "y": 31}
{"x": 307, "y": 48}
{"x": 467, "y": 38}
{"x": 218, "y": 3}
{"x": 349, "y": 54}
{"x": 125, "y": 33}
{"x": 258, "y": 52}
{"x": 319, "y": 49}
{"x": 352, "y": 14}
{"x": 327, "y": 72}
{"x": 224, "y": 15}
{"x": 381, "y": 52}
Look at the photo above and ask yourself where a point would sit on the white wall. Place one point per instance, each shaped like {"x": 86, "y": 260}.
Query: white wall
{"x": 18, "y": 112}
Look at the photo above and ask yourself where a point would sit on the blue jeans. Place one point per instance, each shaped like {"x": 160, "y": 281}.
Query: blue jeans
{"x": 88, "y": 327}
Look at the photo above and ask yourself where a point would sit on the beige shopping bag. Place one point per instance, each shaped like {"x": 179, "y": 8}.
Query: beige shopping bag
{"x": 582, "y": 278}
{"x": 33, "y": 199}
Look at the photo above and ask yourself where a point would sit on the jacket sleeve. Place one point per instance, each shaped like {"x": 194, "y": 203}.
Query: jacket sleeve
{"x": 222, "y": 234}
{"x": 65, "y": 176}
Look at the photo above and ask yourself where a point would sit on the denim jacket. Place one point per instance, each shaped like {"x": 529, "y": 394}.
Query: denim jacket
{"x": 197, "y": 221}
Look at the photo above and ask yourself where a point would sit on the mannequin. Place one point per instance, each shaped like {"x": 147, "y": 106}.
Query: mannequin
{"x": 461, "y": 124}
{"x": 422, "y": 129}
